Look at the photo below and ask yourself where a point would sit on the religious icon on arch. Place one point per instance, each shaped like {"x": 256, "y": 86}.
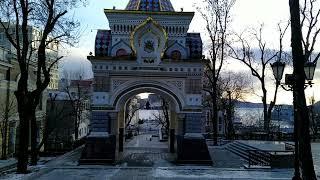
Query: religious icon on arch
{"x": 149, "y": 46}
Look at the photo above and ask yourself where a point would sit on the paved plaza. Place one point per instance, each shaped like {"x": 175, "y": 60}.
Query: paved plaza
{"x": 144, "y": 159}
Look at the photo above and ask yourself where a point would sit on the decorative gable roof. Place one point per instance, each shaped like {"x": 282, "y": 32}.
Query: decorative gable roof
{"x": 150, "y": 5}
{"x": 103, "y": 43}
{"x": 194, "y": 43}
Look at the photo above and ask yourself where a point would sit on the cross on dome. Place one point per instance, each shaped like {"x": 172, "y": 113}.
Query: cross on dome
{"x": 150, "y": 5}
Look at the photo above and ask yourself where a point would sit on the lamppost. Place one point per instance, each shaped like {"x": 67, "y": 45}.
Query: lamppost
{"x": 289, "y": 85}
{"x": 278, "y": 108}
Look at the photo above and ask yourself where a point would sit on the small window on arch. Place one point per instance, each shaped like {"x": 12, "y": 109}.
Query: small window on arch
{"x": 121, "y": 52}
{"x": 176, "y": 55}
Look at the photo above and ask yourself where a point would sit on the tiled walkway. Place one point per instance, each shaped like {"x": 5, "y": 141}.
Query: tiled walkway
{"x": 146, "y": 151}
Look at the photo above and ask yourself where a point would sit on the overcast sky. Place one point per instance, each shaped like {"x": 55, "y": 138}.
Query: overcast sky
{"x": 246, "y": 14}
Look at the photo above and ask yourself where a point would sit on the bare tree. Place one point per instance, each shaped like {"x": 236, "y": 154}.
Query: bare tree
{"x": 56, "y": 114}
{"x": 130, "y": 113}
{"x": 162, "y": 117}
{"x": 217, "y": 15}
{"x": 8, "y": 109}
{"x": 257, "y": 61}
{"x": 78, "y": 96}
{"x": 16, "y": 18}
{"x": 233, "y": 87}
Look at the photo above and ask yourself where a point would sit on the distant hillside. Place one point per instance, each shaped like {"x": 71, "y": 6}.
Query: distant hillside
{"x": 241, "y": 104}
{"x": 317, "y": 106}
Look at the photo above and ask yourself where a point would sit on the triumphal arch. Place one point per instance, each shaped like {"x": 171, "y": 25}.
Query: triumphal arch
{"x": 147, "y": 49}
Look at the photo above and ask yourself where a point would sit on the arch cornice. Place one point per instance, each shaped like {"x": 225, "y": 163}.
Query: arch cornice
{"x": 128, "y": 89}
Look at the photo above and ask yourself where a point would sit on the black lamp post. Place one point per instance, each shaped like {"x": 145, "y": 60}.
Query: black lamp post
{"x": 278, "y": 108}
{"x": 309, "y": 69}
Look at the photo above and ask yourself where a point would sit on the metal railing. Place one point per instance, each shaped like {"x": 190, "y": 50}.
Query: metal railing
{"x": 263, "y": 157}
{"x": 289, "y": 146}
{"x": 259, "y": 158}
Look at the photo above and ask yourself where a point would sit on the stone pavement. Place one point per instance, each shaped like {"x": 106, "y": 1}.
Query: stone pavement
{"x": 143, "y": 141}
{"x": 149, "y": 163}
{"x": 7, "y": 164}
{"x": 142, "y": 152}
{"x": 140, "y": 173}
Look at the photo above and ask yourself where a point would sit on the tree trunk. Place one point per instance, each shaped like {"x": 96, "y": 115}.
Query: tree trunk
{"x": 301, "y": 111}
{"x": 166, "y": 116}
{"x": 231, "y": 133}
{"x": 6, "y": 118}
{"x": 5, "y": 139}
{"x": 34, "y": 144}
{"x": 214, "y": 116}
{"x": 266, "y": 124}
{"x": 24, "y": 109}
{"x": 76, "y": 127}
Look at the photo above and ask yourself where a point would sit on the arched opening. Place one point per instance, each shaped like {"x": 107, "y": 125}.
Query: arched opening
{"x": 121, "y": 53}
{"x": 176, "y": 55}
{"x": 149, "y": 124}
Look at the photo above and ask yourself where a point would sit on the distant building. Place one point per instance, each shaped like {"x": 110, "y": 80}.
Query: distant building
{"x": 282, "y": 118}
{"x": 209, "y": 124}
{"x": 51, "y": 54}
{"x": 62, "y": 111}
{"x": 10, "y": 75}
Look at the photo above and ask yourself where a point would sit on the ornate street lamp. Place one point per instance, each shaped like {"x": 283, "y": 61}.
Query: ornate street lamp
{"x": 309, "y": 69}
{"x": 278, "y": 69}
